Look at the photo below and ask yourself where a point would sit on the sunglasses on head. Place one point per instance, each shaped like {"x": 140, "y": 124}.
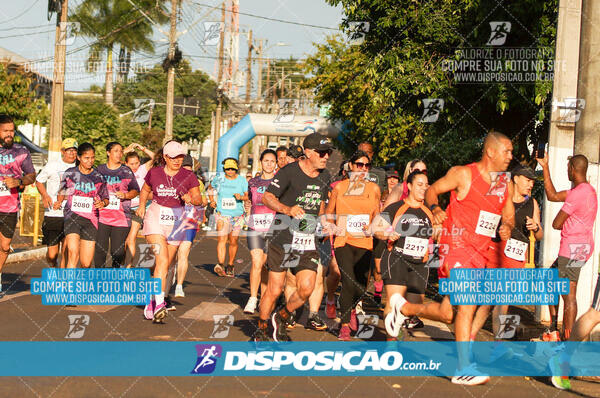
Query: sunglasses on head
{"x": 323, "y": 153}
{"x": 362, "y": 165}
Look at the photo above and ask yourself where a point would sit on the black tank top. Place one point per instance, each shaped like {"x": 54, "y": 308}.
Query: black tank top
{"x": 522, "y": 210}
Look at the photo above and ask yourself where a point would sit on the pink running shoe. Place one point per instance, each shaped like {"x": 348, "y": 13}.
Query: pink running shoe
{"x": 330, "y": 310}
{"x": 344, "y": 333}
{"x": 160, "y": 313}
{"x": 353, "y": 321}
{"x": 149, "y": 310}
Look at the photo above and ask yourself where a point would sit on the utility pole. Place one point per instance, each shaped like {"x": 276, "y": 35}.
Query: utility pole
{"x": 58, "y": 85}
{"x": 171, "y": 72}
{"x": 244, "y": 155}
{"x": 260, "y": 62}
{"x": 268, "y": 86}
{"x": 217, "y": 134}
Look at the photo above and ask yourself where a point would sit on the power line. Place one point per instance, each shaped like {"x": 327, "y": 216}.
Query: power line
{"x": 27, "y": 27}
{"x": 274, "y": 19}
{"x": 28, "y": 34}
{"x": 21, "y": 14}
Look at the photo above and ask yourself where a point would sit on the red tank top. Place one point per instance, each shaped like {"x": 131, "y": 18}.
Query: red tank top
{"x": 473, "y": 220}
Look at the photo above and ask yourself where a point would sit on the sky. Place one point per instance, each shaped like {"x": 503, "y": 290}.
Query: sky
{"x": 25, "y": 30}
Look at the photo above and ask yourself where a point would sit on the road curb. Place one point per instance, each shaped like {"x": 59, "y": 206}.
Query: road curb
{"x": 33, "y": 254}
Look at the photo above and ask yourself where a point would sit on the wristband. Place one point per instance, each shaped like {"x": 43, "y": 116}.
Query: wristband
{"x": 537, "y": 229}
{"x": 433, "y": 206}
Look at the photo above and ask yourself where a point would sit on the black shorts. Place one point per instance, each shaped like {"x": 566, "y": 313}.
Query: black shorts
{"x": 257, "y": 240}
{"x": 379, "y": 247}
{"x": 81, "y": 226}
{"x": 53, "y": 229}
{"x": 280, "y": 261}
{"x": 397, "y": 270}
{"x": 596, "y": 299}
{"x": 568, "y": 268}
{"x": 8, "y": 223}
{"x": 136, "y": 218}
{"x": 325, "y": 252}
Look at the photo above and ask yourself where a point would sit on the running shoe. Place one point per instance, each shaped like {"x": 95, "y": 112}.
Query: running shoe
{"x": 353, "y": 321}
{"x": 330, "y": 310}
{"x": 260, "y": 335}
{"x": 561, "y": 382}
{"x": 229, "y": 271}
{"x": 378, "y": 290}
{"x": 316, "y": 323}
{"x": 291, "y": 322}
{"x": 179, "y": 291}
{"x": 160, "y": 313}
{"x": 219, "y": 270}
{"x": 551, "y": 335}
{"x": 413, "y": 323}
{"x": 395, "y": 319}
{"x": 279, "y": 327}
{"x": 149, "y": 310}
{"x": 169, "y": 304}
{"x": 559, "y": 367}
{"x": 359, "y": 308}
{"x": 251, "y": 305}
{"x": 470, "y": 376}
{"x": 344, "y": 333}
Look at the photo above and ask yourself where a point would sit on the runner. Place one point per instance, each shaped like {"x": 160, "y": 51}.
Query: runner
{"x": 478, "y": 201}
{"x": 85, "y": 190}
{"x": 133, "y": 161}
{"x": 172, "y": 187}
{"x": 297, "y": 191}
{"x": 231, "y": 191}
{"x": 16, "y": 171}
{"x": 575, "y": 220}
{"x": 261, "y": 218}
{"x": 354, "y": 202}
{"x": 53, "y": 226}
{"x": 115, "y": 219}
{"x": 282, "y": 157}
{"x": 193, "y": 215}
{"x": 403, "y": 263}
{"x": 513, "y": 252}
{"x": 393, "y": 179}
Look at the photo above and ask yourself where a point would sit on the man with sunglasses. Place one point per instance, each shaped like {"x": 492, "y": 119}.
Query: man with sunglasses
{"x": 297, "y": 193}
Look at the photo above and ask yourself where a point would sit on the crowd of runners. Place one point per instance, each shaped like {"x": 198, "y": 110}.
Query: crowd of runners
{"x": 310, "y": 234}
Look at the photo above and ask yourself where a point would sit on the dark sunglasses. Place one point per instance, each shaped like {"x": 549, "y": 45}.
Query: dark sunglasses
{"x": 323, "y": 153}
{"x": 230, "y": 169}
{"x": 362, "y": 165}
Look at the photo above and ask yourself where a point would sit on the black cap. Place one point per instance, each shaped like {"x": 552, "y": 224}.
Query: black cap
{"x": 188, "y": 161}
{"x": 393, "y": 173}
{"x": 525, "y": 171}
{"x": 317, "y": 142}
{"x": 295, "y": 151}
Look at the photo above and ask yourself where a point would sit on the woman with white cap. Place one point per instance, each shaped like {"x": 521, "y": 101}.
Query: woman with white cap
{"x": 232, "y": 190}
{"x": 172, "y": 187}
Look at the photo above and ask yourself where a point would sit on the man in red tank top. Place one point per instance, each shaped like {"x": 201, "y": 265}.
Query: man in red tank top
{"x": 479, "y": 199}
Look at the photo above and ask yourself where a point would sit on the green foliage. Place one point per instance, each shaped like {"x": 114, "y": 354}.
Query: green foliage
{"x": 17, "y": 98}
{"x": 98, "y": 124}
{"x": 378, "y": 87}
{"x": 188, "y": 84}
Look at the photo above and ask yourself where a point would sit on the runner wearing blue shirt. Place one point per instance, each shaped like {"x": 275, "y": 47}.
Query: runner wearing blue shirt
{"x": 231, "y": 192}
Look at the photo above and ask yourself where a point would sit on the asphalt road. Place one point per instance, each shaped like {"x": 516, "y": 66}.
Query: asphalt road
{"x": 26, "y": 319}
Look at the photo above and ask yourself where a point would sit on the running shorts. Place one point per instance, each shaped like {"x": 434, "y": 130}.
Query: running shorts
{"x": 236, "y": 222}
{"x": 81, "y": 226}
{"x": 379, "y": 247}
{"x": 568, "y": 268}
{"x": 461, "y": 254}
{"x": 135, "y": 217}
{"x": 257, "y": 240}
{"x": 8, "y": 223}
{"x": 280, "y": 261}
{"x": 53, "y": 229}
{"x": 397, "y": 270}
{"x": 156, "y": 223}
{"x": 190, "y": 234}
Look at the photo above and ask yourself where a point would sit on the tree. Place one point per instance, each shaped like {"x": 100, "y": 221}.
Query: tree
{"x": 377, "y": 88}
{"x": 188, "y": 84}
{"x": 98, "y": 124}
{"x": 17, "y": 97}
{"x": 112, "y": 22}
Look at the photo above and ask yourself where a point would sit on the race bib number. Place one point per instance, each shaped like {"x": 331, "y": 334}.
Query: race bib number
{"x": 356, "y": 222}
{"x": 515, "y": 249}
{"x": 262, "y": 222}
{"x": 415, "y": 247}
{"x": 82, "y": 204}
{"x": 487, "y": 223}
{"x": 114, "y": 203}
{"x": 4, "y": 190}
{"x": 166, "y": 216}
{"x": 228, "y": 203}
{"x": 303, "y": 242}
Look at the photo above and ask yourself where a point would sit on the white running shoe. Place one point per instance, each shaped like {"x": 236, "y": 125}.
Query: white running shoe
{"x": 179, "y": 291}
{"x": 395, "y": 319}
{"x": 470, "y": 376}
{"x": 359, "y": 308}
{"x": 251, "y": 305}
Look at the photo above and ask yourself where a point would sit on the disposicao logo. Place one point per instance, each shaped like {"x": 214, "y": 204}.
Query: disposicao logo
{"x": 207, "y": 358}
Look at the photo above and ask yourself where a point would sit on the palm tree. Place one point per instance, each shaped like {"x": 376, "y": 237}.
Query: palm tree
{"x": 117, "y": 22}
